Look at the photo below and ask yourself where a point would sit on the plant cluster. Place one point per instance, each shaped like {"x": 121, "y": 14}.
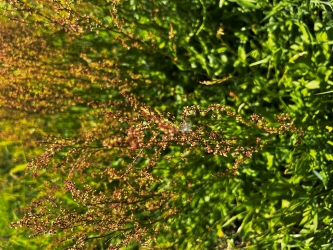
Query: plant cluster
{"x": 194, "y": 124}
{"x": 133, "y": 201}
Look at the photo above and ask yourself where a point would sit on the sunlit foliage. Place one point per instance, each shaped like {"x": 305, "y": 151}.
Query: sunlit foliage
{"x": 190, "y": 124}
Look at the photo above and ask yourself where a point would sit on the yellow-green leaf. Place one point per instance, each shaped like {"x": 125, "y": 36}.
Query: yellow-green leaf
{"x": 18, "y": 168}
{"x": 315, "y": 84}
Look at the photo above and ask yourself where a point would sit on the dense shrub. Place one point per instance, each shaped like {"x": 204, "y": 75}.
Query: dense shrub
{"x": 173, "y": 124}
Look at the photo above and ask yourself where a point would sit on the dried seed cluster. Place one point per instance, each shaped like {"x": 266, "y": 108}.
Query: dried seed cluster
{"x": 121, "y": 201}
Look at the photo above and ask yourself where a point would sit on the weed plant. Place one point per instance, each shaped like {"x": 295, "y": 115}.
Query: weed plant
{"x": 194, "y": 124}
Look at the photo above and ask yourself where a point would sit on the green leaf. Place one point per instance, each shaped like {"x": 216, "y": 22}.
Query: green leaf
{"x": 307, "y": 37}
{"x": 270, "y": 159}
{"x": 276, "y": 9}
{"x": 221, "y": 3}
{"x": 222, "y": 49}
{"x": 315, "y": 222}
{"x": 329, "y": 157}
{"x": 233, "y": 218}
{"x": 318, "y": 175}
{"x": 266, "y": 60}
{"x": 295, "y": 57}
{"x": 301, "y": 168}
{"x": 18, "y": 168}
{"x": 246, "y": 3}
{"x": 323, "y": 93}
{"x": 241, "y": 53}
{"x": 246, "y": 224}
{"x": 7, "y": 143}
{"x": 315, "y": 84}
{"x": 277, "y": 58}
{"x": 219, "y": 231}
{"x": 285, "y": 204}
{"x": 329, "y": 128}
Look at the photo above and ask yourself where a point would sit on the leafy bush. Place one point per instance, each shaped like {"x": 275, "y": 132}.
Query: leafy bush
{"x": 180, "y": 124}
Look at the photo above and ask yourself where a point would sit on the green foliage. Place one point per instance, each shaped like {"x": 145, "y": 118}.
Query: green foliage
{"x": 123, "y": 174}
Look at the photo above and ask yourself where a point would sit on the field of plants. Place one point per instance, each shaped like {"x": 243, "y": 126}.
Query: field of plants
{"x": 155, "y": 124}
